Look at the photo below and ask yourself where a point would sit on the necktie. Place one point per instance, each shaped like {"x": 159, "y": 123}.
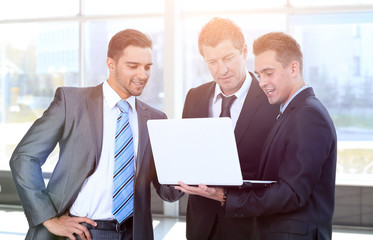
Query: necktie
{"x": 279, "y": 115}
{"x": 123, "y": 178}
{"x": 226, "y": 105}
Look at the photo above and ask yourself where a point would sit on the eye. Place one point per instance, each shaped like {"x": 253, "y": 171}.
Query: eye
{"x": 132, "y": 66}
{"x": 269, "y": 74}
{"x": 211, "y": 62}
{"x": 229, "y": 57}
{"x": 147, "y": 67}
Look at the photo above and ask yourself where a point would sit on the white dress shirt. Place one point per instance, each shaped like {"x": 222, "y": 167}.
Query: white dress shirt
{"x": 237, "y": 104}
{"x": 95, "y": 197}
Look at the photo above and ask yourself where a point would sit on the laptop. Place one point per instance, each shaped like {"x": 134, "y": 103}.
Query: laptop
{"x": 194, "y": 151}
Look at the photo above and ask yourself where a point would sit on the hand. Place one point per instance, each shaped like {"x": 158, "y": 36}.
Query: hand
{"x": 66, "y": 226}
{"x": 215, "y": 193}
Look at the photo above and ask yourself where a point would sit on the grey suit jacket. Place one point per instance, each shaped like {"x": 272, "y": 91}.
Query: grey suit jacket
{"x": 74, "y": 120}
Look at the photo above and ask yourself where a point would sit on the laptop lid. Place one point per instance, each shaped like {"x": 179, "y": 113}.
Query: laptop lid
{"x": 194, "y": 151}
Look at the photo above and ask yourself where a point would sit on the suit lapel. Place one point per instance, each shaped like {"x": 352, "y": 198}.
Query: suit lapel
{"x": 289, "y": 109}
{"x": 142, "y": 117}
{"x": 250, "y": 106}
{"x": 202, "y": 109}
{"x": 95, "y": 112}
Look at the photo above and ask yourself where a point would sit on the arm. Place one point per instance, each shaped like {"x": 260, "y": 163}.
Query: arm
{"x": 167, "y": 193}
{"x": 28, "y": 157}
{"x": 304, "y": 148}
{"x": 26, "y": 161}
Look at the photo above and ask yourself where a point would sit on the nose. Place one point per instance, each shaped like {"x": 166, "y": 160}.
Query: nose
{"x": 262, "y": 82}
{"x": 222, "y": 68}
{"x": 142, "y": 73}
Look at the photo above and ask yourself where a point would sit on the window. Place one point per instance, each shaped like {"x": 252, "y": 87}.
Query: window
{"x": 338, "y": 66}
{"x": 47, "y": 43}
{"x": 33, "y": 65}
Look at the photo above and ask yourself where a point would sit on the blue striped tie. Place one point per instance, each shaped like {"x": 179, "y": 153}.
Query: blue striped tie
{"x": 123, "y": 166}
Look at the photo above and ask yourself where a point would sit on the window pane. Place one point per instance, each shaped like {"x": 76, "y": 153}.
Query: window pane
{"x": 223, "y": 5}
{"x": 35, "y": 59}
{"x": 309, "y": 3}
{"x": 37, "y": 8}
{"x": 338, "y": 64}
{"x": 99, "y": 7}
{"x": 97, "y": 37}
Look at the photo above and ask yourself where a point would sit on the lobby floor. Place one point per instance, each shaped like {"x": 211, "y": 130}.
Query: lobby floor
{"x": 13, "y": 226}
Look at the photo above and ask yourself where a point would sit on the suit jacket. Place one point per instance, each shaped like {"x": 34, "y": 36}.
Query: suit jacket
{"x": 254, "y": 123}
{"x": 300, "y": 153}
{"x": 74, "y": 120}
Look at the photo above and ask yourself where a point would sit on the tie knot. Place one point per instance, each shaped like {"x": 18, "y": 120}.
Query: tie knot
{"x": 226, "y": 105}
{"x": 123, "y": 106}
{"x": 227, "y": 101}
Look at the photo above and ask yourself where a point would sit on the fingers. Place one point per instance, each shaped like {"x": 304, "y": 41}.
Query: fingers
{"x": 82, "y": 232}
{"x": 68, "y": 226}
{"x": 86, "y": 220}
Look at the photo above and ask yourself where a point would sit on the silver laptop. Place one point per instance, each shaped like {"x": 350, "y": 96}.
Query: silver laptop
{"x": 194, "y": 151}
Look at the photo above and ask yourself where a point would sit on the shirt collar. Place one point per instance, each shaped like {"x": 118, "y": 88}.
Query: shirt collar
{"x": 241, "y": 92}
{"x": 283, "y": 107}
{"x": 112, "y": 97}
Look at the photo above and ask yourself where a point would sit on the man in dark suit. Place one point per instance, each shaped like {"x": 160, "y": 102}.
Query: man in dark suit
{"x": 300, "y": 152}
{"x": 222, "y": 45}
{"x": 78, "y": 201}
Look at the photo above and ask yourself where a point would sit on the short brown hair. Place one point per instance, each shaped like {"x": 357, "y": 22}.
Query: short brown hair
{"x": 286, "y": 47}
{"x": 125, "y": 38}
{"x": 219, "y": 29}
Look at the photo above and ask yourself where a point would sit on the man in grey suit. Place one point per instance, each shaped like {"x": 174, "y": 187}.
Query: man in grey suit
{"x": 78, "y": 201}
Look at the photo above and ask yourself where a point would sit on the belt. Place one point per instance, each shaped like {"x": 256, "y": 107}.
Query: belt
{"x": 112, "y": 225}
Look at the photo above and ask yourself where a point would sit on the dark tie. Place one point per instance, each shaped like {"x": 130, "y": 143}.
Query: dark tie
{"x": 123, "y": 178}
{"x": 226, "y": 104}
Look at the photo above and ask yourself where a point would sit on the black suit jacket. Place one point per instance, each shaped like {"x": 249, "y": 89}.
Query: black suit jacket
{"x": 254, "y": 123}
{"x": 74, "y": 120}
{"x": 300, "y": 153}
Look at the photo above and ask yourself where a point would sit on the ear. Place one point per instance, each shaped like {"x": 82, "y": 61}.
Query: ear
{"x": 245, "y": 51}
{"x": 294, "y": 68}
{"x": 110, "y": 64}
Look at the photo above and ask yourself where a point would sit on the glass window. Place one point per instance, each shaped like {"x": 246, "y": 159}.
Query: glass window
{"x": 338, "y": 65}
{"x": 35, "y": 59}
{"x": 23, "y": 9}
{"x": 323, "y": 3}
{"x": 223, "y": 5}
{"x": 109, "y": 7}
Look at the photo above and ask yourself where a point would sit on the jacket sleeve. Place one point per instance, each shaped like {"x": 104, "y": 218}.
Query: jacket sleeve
{"x": 304, "y": 150}
{"x": 28, "y": 157}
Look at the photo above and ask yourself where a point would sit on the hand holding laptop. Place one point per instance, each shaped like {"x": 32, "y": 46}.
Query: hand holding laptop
{"x": 215, "y": 193}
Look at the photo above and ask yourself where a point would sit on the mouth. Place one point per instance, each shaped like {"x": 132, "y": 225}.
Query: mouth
{"x": 269, "y": 92}
{"x": 225, "y": 79}
{"x": 138, "y": 83}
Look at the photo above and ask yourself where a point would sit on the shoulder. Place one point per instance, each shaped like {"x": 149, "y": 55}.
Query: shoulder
{"x": 155, "y": 113}
{"x": 202, "y": 88}
{"x": 79, "y": 93}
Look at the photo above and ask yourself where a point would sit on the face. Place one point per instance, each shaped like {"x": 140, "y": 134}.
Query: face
{"x": 227, "y": 65}
{"x": 130, "y": 72}
{"x": 277, "y": 82}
